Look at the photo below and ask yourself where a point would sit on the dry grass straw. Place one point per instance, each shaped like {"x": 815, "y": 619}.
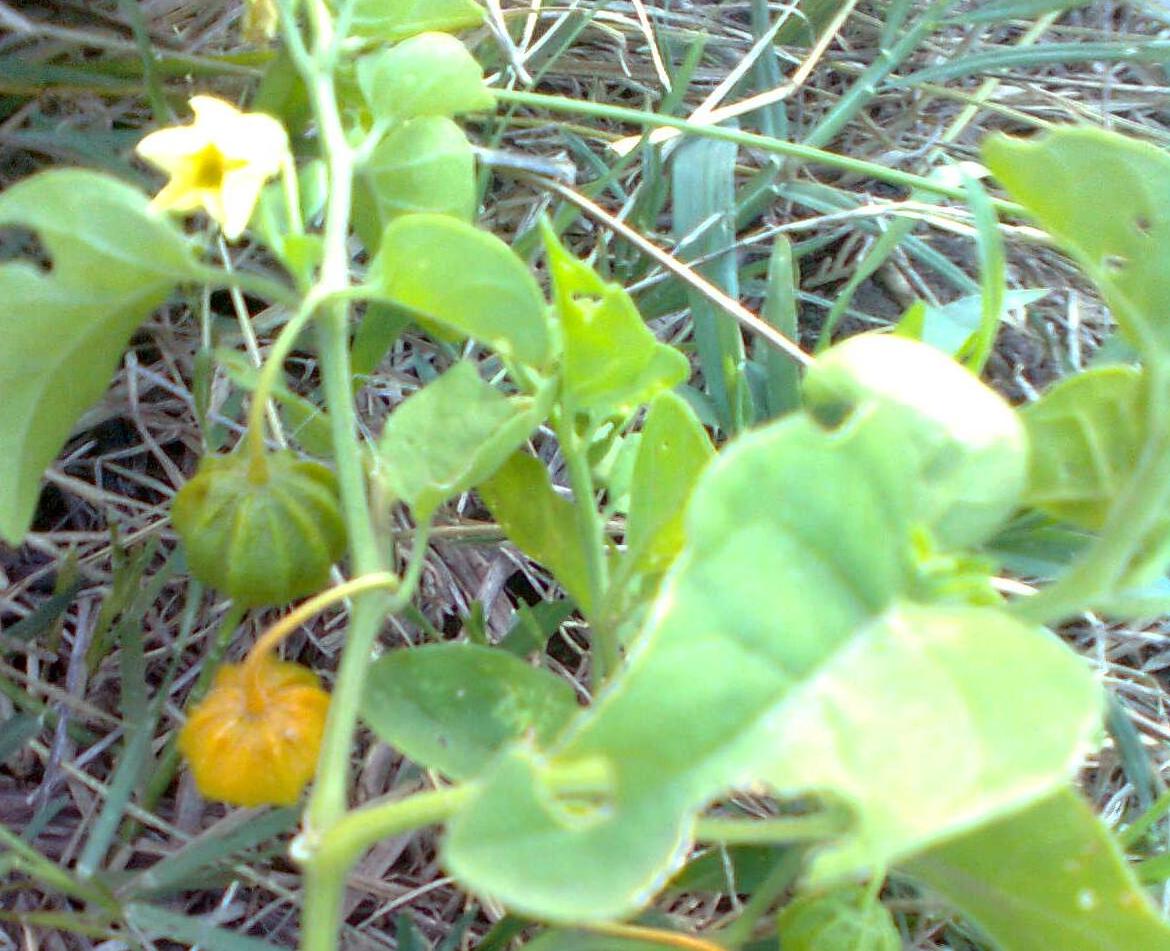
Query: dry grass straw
{"x": 108, "y": 493}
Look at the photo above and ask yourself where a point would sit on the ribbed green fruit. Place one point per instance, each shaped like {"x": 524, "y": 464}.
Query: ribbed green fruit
{"x": 263, "y": 534}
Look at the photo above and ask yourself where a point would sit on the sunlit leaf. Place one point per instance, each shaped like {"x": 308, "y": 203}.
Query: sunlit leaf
{"x": 398, "y": 19}
{"x": 432, "y": 74}
{"x": 673, "y": 451}
{"x": 112, "y": 263}
{"x": 425, "y": 165}
{"x": 480, "y": 428}
{"x": 465, "y": 279}
{"x": 1106, "y": 198}
{"x": 968, "y": 440}
{"x": 782, "y": 649}
{"x": 453, "y": 707}
{"x": 612, "y": 362}
{"x": 1049, "y": 876}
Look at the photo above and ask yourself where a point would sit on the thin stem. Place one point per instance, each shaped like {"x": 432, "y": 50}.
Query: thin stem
{"x": 341, "y": 845}
{"x": 1131, "y": 835}
{"x": 270, "y": 371}
{"x": 591, "y": 535}
{"x": 258, "y": 285}
{"x": 819, "y": 825}
{"x": 778, "y": 880}
{"x": 746, "y": 139}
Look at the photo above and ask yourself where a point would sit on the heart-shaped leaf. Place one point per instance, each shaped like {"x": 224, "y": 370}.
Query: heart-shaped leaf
{"x": 112, "y": 263}
{"x": 451, "y": 435}
{"x": 432, "y": 74}
{"x": 1106, "y": 198}
{"x": 465, "y": 279}
{"x": 783, "y": 648}
{"x": 453, "y": 707}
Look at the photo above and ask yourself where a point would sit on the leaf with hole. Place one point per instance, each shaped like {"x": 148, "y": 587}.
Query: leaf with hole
{"x": 112, "y": 263}
{"x": 432, "y": 74}
{"x": 740, "y": 676}
{"x": 1106, "y": 198}
{"x": 451, "y": 435}
{"x": 453, "y": 707}
{"x": 971, "y": 445}
{"x": 1048, "y": 876}
{"x": 466, "y": 280}
{"x": 611, "y": 362}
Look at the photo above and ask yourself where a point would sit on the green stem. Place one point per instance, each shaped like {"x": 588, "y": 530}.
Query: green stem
{"x": 749, "y": 140}
{"x": 778, "y": 880}
{"x": 1133, "y": 834}
{"x": 343, "y": 844}
{"x": 591, "y": 534}
{"x": 819, "y": 825}
{"x": 1134, "y": 514}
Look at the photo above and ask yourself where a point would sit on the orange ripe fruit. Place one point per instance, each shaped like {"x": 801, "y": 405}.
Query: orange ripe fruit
{"x": 253, "y": 740}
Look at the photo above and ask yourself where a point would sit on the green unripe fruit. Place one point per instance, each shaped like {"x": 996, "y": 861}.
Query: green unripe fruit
{"x": 968, "y": 444}
{"x": 263, "y": 533}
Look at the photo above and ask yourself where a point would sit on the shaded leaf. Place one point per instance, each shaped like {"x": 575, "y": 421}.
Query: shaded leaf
{"x": 451, "y": 435}
{"x": 112, "y": 263}
{"x": 1049, "y": 876}
{"x": 538, "y": 521}
{"x": 1086, "y": 434}
{"x": 432, "y": 74}
{"x": 465, "y": 279}
{"x": 453, "y": 707}
{"x": 847, "y": 920}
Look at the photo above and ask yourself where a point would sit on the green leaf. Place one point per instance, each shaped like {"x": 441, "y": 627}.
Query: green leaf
{"x": 782, "y": 649}
{"x": 612, "y": 362}
{"x": 558, "y": 940}
{"x": 425, "y": 165}
{"x": 1086, "y": 434}
{"x": 428, "y": 75}
{"x": 479, "y": 426}
{"x": 1106, "y": 199}
{"x": 969, "y": 442}
{"x": 113, "y": 262}
{"x": 538, "y": 521}
{"x": 672, "y": 453}
{"x": 397, "y": 19}
{"x": 1049, "y": 876}
{"x": 465, "y": 279}
{"x": 951, "y": 328}
{"x": 847, "y": 920}
{"x": 453, "y": 707}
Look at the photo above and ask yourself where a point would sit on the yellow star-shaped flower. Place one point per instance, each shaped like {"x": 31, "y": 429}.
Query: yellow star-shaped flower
{"x": 219, "y": 163}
